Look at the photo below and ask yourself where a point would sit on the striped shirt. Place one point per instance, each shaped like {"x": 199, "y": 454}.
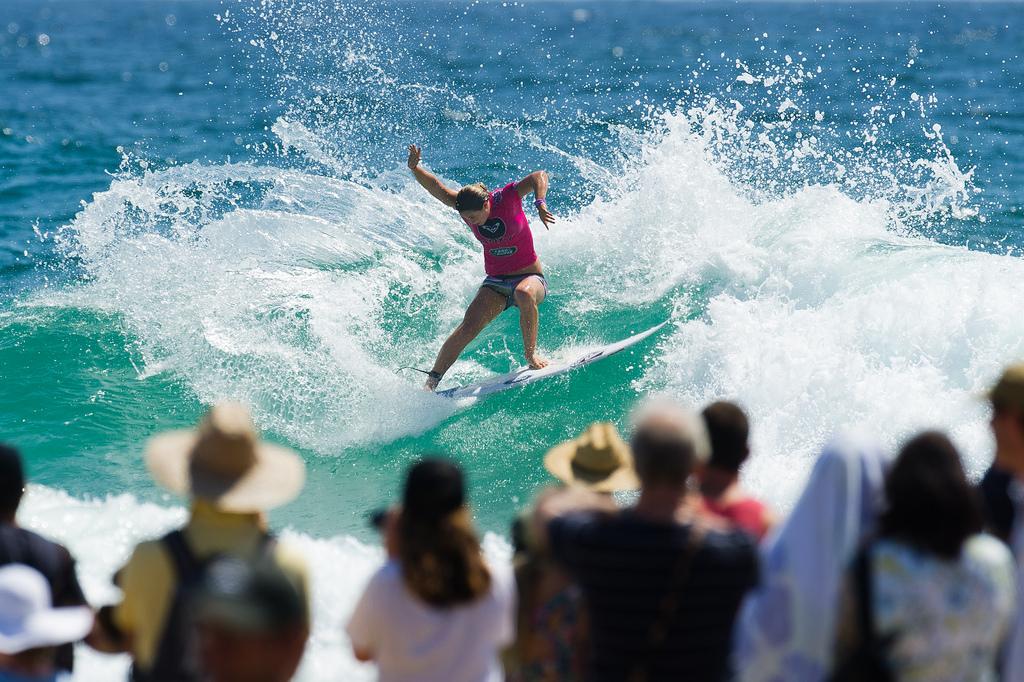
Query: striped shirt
{"x": 625, "y": 567}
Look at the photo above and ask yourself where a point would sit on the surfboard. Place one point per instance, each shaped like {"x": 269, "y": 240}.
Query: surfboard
{"x": 525, "y": 375}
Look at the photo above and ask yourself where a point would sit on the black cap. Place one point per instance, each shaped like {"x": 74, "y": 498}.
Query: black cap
{"x": 12, "y": 479}
{"x": 247, "y": 596}
{"x": 433, "y": 489}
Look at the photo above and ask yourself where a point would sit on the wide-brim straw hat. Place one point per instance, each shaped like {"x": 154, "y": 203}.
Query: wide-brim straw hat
{"x": 598, "y": 459}
{"x": 225, "y": 463}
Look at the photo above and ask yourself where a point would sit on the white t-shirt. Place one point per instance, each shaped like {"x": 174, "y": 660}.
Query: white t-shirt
{"x": 410, "y": 640}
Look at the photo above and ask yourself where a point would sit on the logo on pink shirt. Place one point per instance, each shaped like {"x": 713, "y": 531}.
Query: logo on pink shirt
{"x": 493, "y": 229}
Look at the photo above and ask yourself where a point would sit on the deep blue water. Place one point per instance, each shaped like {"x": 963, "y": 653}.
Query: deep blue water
{"x": 169, "y": 83}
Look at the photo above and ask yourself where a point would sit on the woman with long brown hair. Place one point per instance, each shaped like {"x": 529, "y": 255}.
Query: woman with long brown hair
{"x": 930, "y": 598}
{"x": 436, "y": 610}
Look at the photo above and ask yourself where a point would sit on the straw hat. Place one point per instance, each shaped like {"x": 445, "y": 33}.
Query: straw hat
{"x": 224, "y": 462}
{"x": 28, "y": 621}
{"x": 597, "y": 459}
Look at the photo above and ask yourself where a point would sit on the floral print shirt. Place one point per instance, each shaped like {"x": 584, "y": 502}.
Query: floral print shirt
{"x": 947, "y": 619}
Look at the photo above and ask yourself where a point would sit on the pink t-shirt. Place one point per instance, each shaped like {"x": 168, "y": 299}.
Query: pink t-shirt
{"x": 746, "y": 514}
{"x": 506, "y": 236}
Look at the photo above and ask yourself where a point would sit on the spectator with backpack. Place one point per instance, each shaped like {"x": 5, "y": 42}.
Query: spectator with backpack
{"x": 232, "y": 478}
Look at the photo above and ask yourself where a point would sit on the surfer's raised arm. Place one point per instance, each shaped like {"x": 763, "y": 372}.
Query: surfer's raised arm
{"x": 537, "y": 182}
{"x": 428, "y": 180}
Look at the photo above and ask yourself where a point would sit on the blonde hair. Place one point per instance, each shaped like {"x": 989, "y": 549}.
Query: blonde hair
{"x": 472, "y": 197}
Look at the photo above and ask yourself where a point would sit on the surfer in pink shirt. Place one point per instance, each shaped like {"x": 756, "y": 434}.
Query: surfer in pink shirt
{"x": 514, "y": 273}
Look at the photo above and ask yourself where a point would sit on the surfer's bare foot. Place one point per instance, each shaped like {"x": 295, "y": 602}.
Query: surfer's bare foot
{"x": 537, "y": 362}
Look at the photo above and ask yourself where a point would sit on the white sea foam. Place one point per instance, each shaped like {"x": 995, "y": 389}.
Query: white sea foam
{"x": 817, "y": 307}
{"x": 819, "y": 314}
{"x": 102, "y": 533}
{"x": 297, "y": 294}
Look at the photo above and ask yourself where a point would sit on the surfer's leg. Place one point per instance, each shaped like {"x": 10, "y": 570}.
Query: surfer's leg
{"x": 487, "y": 305}
{"x": 529, "y": 294}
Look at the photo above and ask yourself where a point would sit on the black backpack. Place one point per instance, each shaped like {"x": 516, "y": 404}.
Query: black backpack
{"x": 177, "y": 654}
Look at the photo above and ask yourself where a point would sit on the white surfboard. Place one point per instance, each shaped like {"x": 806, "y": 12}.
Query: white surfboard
{"x": 524, "y": 375}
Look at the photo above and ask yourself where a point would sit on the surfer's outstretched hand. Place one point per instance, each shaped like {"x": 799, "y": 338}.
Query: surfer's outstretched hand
{"x": 546, "y": 216}
{"x": 414, "y": 156}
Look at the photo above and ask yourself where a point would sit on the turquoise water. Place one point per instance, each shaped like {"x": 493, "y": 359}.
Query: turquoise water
{"x": 204, "y": 200}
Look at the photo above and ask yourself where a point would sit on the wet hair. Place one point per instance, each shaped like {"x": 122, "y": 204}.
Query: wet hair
{"x": 12, "y": 480}
{"x": 472, "y": 197}
{"x": 668, "y": 443}
{"x": 438, "y": 548}
{"x": 932, "y": 506}
{"x": 728, "y": 431}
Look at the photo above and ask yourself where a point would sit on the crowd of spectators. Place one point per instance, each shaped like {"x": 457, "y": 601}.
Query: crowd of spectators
{"x": 646, "y": 561}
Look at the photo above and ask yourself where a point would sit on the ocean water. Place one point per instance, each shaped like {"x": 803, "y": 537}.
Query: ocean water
{"x": 204, "y": 200}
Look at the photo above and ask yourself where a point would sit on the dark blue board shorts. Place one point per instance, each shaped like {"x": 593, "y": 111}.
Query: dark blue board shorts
{"x": 506, "y": 285}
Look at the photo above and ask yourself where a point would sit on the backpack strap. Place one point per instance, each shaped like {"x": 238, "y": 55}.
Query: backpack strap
{"x": 187, "y": 567}
{"x": 175, "y": 657}
{"x": 874, "y": 647}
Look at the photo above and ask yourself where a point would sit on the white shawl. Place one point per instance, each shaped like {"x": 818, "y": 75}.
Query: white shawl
{"x": 786, "y": 627}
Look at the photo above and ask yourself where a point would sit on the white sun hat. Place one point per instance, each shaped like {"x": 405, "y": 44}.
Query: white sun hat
{"x": 27, "y": 619}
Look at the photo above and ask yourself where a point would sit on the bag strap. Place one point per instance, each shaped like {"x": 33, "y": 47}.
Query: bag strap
{"x": 189, "y": 567}
{"x": 186, "y": 565}
{"x": 875, "y": 646}
{"x": 864, "y": 592}
{"x": 669, "y": 605}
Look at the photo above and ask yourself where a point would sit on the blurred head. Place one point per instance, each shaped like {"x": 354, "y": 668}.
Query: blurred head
{"x": 932, "y": 506}
{"x": 252, "y": 622}
{"x": 437, "y": 545}
{"x": 728, "y": 430}
{"x": 12, "y": 481}
{"x": 669, "y": 443}
{"x": 473, "y": 202}
{"x": 1007, "y": 398}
